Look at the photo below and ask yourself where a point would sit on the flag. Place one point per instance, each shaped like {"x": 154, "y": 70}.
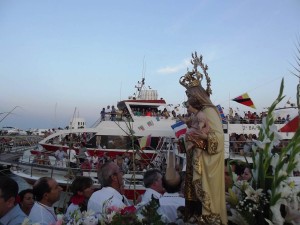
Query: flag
{"x": 150, "y": 123}
{"x": 179, "y": 128}
{"x": 141, "y": 128}
{"x": 145, "y": 141}
{"x": 245, "y": 100}
{"x": 221, "y": 113}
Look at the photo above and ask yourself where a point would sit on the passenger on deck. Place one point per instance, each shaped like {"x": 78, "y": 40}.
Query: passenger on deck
{"x": 95, "y": 160}
{"x": 102, "y": 114}
{"x": 71, "y": 153}
{"x": 60, "y": 155}
{"x": 45, "y": 159}
{"x": 107, "y": 113}
{"x": 82, "y": 154}
{"x": 113, "y": 113}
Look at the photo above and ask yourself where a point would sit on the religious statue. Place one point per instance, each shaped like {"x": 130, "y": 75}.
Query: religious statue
{"x": 204, "y": 181}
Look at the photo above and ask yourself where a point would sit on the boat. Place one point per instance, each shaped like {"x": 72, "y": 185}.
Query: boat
{"x": 137, "y": 119}
{"x": 140, "y": 118}
{"x": 12, "y": 131}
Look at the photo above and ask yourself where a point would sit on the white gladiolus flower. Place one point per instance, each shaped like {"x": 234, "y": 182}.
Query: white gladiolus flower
{"x": 297, "y": 159}
{"x": 237, "y": 218}
{"x": 88, "y": 213}
{"x": 277, "y": 218}
{"x": 274, "y": 161}
{"x": 90, "y": 220}
{"x": 253, "y": 194}
{"x": 262, "y": 144}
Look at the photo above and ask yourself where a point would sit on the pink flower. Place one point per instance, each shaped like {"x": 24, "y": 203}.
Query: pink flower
{"x": 113, "y": 208}
{"x": 128, "y": 210}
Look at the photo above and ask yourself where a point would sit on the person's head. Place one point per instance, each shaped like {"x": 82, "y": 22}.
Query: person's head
{"x": 180, "y": 211}
{"x": 46, "y": 190}
{"x": 246, "y": 175}
{"x": 8, "y": 193}
{"x": 110, "y": 175}
{"x": 194, "y": 104}
{"x": 82, "y": 186}
{"x": 153, "y": 180}
{"x": 26, "y": 200}
{"x": 170, "y": 186}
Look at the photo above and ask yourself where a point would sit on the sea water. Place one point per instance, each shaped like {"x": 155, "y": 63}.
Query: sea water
{"x": 21, "y": 182}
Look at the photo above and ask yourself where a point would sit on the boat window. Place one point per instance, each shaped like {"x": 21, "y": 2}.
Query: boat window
{"x": 122, "y": 142}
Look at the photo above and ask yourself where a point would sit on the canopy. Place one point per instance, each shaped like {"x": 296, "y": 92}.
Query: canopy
{"x": 291, "y": 126}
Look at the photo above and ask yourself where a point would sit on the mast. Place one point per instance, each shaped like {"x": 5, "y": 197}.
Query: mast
{"x": 297, "y": 58}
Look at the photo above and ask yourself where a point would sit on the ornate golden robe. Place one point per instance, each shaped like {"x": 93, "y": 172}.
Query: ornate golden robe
{"x": 204, "y": 181}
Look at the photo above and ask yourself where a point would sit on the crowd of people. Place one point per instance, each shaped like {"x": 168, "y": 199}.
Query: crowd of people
{"x": 254, "y": 118}
{"x": 37, "y": 204}
{"x": 241, "y": 143}
{"x": 113, "y": 114}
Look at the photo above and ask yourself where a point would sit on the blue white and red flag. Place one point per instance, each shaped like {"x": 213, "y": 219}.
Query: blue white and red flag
{"x": 179, "y": 128}
{"x": 221, "y": 113}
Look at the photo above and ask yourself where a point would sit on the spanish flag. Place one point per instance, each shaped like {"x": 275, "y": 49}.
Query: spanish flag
{"x": 145, "y": 142}
{"x": 245, "y": 100}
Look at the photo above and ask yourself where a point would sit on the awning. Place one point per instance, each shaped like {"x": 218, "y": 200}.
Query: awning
{"x": 291, "y": 126}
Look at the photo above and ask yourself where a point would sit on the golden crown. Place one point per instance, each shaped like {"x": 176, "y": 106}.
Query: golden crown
{"x": 194, "y": 78}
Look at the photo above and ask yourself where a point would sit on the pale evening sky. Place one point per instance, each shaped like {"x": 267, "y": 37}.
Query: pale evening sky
{"x": 57, "y": 55}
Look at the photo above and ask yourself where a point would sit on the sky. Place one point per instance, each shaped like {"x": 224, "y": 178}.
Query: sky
{"x": 60, "y": 58}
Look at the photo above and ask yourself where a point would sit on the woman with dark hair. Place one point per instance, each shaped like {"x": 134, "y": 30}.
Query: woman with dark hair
{"x": 82, "y": 189}
{"x": 26, "y": 200}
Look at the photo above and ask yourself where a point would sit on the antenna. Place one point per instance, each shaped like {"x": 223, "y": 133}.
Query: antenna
{"x": 144, "y": 68}
{"x": 10, "y": 112}
{"x": 55, "y": 108}
{"x": 121, "y": 91}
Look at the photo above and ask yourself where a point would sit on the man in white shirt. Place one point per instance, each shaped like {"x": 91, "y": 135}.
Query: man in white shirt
{"x": 107, "y": 113}
{"x": 46, "y": 191}
{"x": 153, "y": 184}
{"x": 171, "y": 199}
{"x": 111, "y": 195}
{"x": 60, "y": 155}
{"x": 72, "y": 157}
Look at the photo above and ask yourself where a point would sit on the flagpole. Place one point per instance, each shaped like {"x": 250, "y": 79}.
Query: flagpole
{"x": 298, "y": 70}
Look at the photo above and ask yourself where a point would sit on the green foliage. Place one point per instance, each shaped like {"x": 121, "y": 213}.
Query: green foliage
{"x": 151, "y": 217}
{"x": 271, "y": 170}
{"x": 130, "y": 218}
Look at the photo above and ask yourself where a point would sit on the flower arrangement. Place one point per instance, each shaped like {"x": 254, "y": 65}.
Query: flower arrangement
{"x": 271, "y": 197}
{"x": 134, "y": 215}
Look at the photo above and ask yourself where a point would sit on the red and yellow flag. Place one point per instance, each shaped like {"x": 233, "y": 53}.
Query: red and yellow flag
{"x": 145, "y": 142}
{"x": 245, "y": 100}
